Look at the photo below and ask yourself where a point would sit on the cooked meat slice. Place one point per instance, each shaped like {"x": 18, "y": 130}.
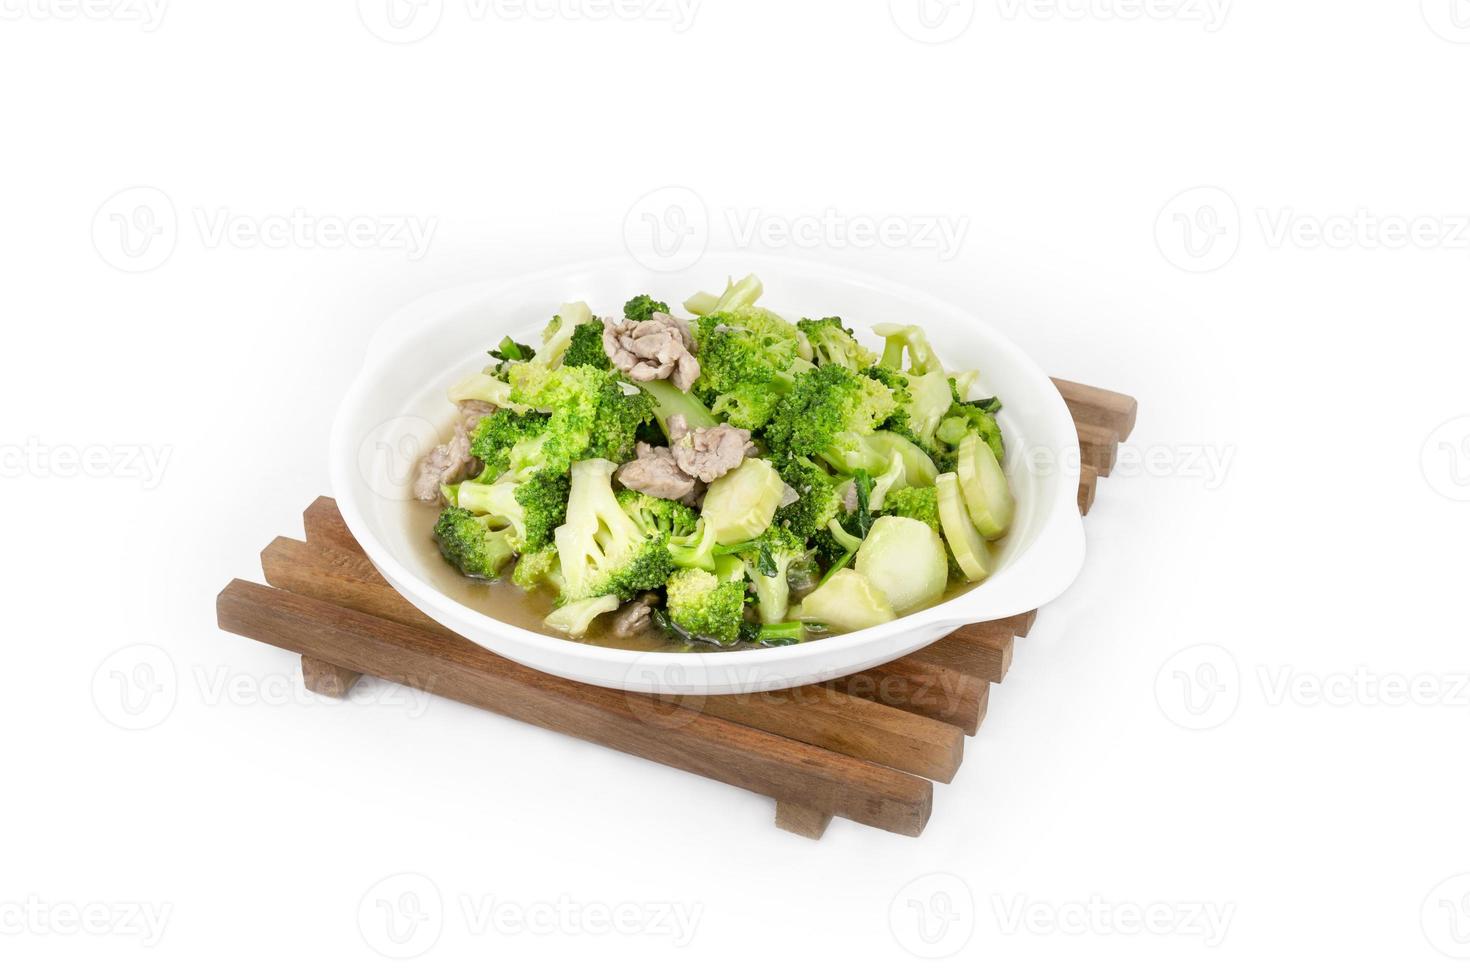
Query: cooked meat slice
{"x": 709, "y": 454}
{"x": 645, "y": 350}
{"x": 655, "y": 473}
{"x": 633, "y": 618}
{"x": 451, "y": 462}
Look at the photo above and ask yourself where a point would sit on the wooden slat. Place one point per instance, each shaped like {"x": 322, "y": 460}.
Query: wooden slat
{"x": 985, "y": 661}
{"x": 1086, "y": 489}
{"x": 1098, "y": 406}
{"x": 325, "y": 527}
{"x": 327, "y": 679}
{"x": 774, "y": 766}
{"x": 945, "y": 695}
{"x": 814, "y": 714}
{"x": 1099, "y": 447}
{"x": 802, "y": 820}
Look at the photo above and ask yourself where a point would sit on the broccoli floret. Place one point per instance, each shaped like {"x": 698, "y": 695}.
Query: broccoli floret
{"x": 537, "y": 568}
{"x": 921, "y": 504}
{"x": 832, "y": 343}
{"x": 590, "y": 414}
{"x": 543, "y": 503}
{"x": 603, "y": 551}
{"x": 618, "y": 419}
{"x": 766, "y": 560}
{"x": 705, "y": 607}
{"x": 643, "y": 308}
{"x": 973, "y": 416}
{"x": 900, "y": 339}
{"x": 657, "y": 516}
{"x": 748, "y": 359}
{"x": 819, "y": 497}
{"x": 497, "y": 434}
{"x": 828, "y": 407}
{"x": 695, "y": 549}
{"x": 586, "y": 347}
{"x": 474, "y": 544}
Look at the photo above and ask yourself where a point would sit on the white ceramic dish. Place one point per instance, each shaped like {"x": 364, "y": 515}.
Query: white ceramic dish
{"x": 397, "y": 409}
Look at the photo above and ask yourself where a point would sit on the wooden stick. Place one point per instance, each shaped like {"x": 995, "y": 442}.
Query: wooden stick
{"x": 944, "y": 695}
{"x": 325, "y": 527}
{"x": 327, "y": 679}
{"x": 802, "y": 820}
{"x": 1098, "y": 406}
{"x": 813, "y": 714}
{"x": 761, "y": 762}
{"x": 1099, "y": 447}
{"x": 985, "y": 661}
{"x": 1086, "y": 489}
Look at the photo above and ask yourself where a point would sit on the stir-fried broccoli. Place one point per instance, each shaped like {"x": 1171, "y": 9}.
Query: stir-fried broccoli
{"x": 585, "y": 348}
{"x": 862, "y": 469}
{"x": 705, "y": 607}
{"x": 972, "y": 416}
{"x": 603, "y": 551}
{"x": 766, "y": 560}
{"x": 654, "y": 515}
{"x": 643, "y": 308}
{"x": 818, "y": 496}
{"x": 694, "y": 549}
{"x": 535, "y": 569}
{"x": 748, "y": 361}
{"x": 474, "y": 544}
{"x": 591, "y": 416}
{"x": 832, "y": 343}
{"x": 828, "y": 413}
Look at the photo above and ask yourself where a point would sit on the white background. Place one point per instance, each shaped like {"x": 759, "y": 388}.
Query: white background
{"x": 1324, "y": 547}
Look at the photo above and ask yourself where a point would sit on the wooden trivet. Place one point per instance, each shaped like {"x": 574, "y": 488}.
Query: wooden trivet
{"x": 865, "y": 747}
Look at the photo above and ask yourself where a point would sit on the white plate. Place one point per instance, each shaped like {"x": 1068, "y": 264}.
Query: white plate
{"x": 397, "y": 409}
